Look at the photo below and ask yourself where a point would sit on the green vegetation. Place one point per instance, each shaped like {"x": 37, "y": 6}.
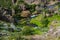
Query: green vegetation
{"x": 34, "y": 21}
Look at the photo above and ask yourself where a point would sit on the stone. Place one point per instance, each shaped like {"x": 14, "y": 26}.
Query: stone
{"x": 37, "y": 8}
{"x": 9, "y": 18}
{"x": 32, "y": 2}
{"x": 22, "y": 6}
{"x": 47, "y": 15}
{"x": 25, "y": 13}
{"x": 14, "y": 1}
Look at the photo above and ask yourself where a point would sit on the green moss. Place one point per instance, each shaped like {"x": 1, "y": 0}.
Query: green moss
{"x": 37, "y": 20}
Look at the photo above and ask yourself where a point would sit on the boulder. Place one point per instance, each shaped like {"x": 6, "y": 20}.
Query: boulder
{"x": 25, "y": 13}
